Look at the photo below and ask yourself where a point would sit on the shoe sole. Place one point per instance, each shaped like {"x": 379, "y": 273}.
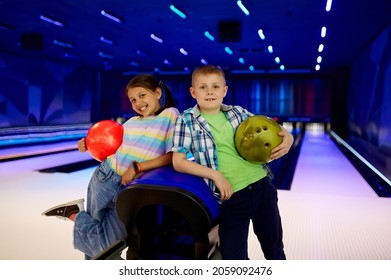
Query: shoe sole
{"x": 69, "y": 203}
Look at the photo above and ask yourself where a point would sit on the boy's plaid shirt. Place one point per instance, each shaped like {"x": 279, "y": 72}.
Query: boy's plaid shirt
{"x": 192, "y": 134}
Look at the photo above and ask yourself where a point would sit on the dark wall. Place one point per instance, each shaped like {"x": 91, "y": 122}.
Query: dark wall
{"x": 369, "y": 103}
{"x": 277, "y": 95}
{"x": 282, "y": 95}
{"x": 38, "y": 93}
{"x": 35, "y": 92}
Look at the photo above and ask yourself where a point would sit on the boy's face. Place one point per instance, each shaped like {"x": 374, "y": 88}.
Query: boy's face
{"x": 209, "y": 91}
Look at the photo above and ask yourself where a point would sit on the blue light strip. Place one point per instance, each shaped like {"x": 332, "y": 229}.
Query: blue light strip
{"x": 177, "y": 11}
{"x": 319, "y": 59}
{"x": 261, "y": 35}
{"x": 52, "y": 21}
{"x": 105, "y": 55}
{"x": 323, "y": 31}
{"x": 105, "y": 40}
{"x": 228, "y": 50}
{"x": 328, "y": 5}
{"x": 183, "y": 51}
{"x": 110, "y": 16}
{"x": 209, "y": 36}
{"x": 157, "y": 39}
{"x": 62, "y": 44}
{"x": 243, "y": 8}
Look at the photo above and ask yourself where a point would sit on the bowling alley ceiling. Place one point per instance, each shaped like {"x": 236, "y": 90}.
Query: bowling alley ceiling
{"x": 174, "y": 36}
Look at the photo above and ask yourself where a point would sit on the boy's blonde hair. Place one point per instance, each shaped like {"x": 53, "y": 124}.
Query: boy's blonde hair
{"x": 205, "y": 70}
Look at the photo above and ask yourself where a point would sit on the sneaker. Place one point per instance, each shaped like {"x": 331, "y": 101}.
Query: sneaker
{"x": 63, "y": 211}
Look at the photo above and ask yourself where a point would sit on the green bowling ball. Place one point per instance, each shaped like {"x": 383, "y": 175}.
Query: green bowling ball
{"x": 256, "y": 137}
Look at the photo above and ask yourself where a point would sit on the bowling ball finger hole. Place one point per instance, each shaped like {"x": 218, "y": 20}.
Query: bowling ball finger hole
{"x": 264, "y": 127}
{"x": 267, "y": 145}
{"x": 258, "y": 129}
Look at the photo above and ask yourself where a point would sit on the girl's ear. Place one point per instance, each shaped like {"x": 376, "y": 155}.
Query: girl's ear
{"x": 158, "y": 92}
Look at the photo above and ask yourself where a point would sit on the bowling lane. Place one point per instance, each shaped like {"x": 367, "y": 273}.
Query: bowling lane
{"x": 331, "y": 212}
{"x": 45, "y": 160}
{"x": 25, "y": 193}
{"x": 323, "y": 169}
{"x": 343, "y": 221}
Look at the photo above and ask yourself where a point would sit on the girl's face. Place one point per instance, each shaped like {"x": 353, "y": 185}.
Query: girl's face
{"x": 145, "y": 102}
{"x": 209, "y": 91}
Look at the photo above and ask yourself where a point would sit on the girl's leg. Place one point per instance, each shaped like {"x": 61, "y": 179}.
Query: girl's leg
{"x": 99, "y": 226}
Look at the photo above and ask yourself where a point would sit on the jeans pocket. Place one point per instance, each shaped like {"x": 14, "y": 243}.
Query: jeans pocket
{"x": 102, "y": 174}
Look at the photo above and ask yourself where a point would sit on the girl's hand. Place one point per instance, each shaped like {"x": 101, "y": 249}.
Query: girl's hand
{"x": 128, "y": 176}
{"x": 81, "y": 145}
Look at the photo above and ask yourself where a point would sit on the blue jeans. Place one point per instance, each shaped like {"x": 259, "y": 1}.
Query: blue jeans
{"x": 258, "y": 203}
{"x": 99, "y": 226}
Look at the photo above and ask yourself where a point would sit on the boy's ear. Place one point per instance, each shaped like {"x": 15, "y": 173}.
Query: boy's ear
{"x": 225, "y": 90}
{"x": 192, "y": 92}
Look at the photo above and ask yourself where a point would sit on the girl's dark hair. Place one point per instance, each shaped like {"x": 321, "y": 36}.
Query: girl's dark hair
{"x": 149, "y": 82}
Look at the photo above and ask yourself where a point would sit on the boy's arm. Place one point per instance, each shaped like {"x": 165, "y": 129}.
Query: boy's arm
{"x": 181, "y": 164}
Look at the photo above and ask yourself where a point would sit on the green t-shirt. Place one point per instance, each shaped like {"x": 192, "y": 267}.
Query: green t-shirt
{"x": 239, "y": 172}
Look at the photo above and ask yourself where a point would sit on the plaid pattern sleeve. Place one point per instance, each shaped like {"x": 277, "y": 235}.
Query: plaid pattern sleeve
{"x": 182, "y": 136}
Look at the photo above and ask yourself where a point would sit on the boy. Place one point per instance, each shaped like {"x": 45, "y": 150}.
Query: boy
{"x": 207, "y": 131}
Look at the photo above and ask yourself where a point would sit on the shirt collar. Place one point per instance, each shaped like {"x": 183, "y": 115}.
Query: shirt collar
{"x": 196, "y": 111}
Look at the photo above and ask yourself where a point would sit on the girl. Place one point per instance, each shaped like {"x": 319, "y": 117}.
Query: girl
{"x": 146, "y": 145}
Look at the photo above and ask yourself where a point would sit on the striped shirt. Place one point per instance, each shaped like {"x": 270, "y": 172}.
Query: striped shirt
{"x": 193, "y": 134}
{"x": 144, "y": 138}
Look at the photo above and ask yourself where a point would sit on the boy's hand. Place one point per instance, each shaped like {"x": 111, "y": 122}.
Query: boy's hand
{"x": 81, "y": 145}
{"x": 283, "y": 148}
{"x": 223, "y": 186}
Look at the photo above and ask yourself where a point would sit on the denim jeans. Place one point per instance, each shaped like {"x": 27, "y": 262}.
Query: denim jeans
{"x": 258, "y": 203}
{"x": 99, "y": 226}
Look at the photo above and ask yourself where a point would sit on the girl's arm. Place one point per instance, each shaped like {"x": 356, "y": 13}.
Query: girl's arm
{"x": 156, "y": 162}
{"x": 163, "y": 160}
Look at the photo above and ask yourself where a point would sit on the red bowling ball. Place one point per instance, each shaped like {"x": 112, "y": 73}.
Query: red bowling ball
{"x": 104, "y": 138}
